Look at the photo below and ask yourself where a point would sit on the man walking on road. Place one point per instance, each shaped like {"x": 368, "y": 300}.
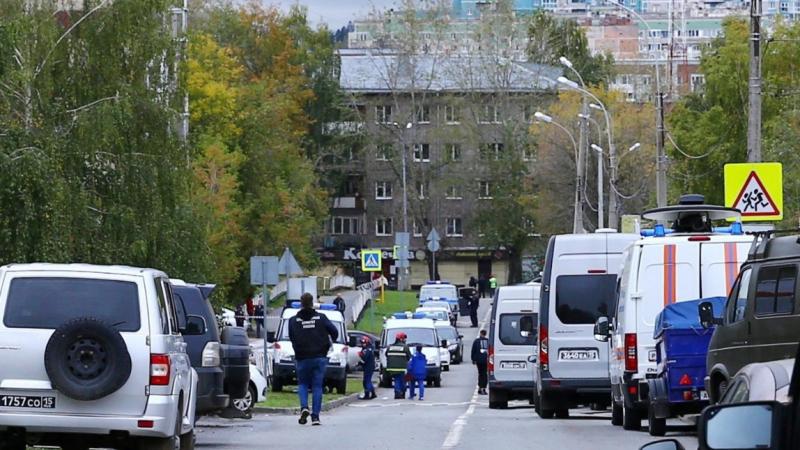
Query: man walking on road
{"x": 480, "y": 358}
{"x": 474, "y": 304}
{"x": 340, "y": 304}
{"x": 397, "y": 356}
{"x": 311, "y": 334}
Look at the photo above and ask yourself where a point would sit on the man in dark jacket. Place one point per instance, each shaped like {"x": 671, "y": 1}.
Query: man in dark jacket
{"x": 480, "y": 357}
{"x": 311, "y": 334}
{"x": 397, "y": 356}
{"x": 367, "y": 361}
{"x": 483, "y": 285}
{"x": 473, "y": 310}
{"x": 340, "y": 304}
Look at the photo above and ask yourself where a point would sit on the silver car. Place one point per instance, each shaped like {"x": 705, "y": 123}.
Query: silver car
{"x": 99, "y": 360}
{"x": 761, "y": 382}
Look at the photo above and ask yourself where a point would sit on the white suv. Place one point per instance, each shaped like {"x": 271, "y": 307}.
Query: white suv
{"x": 98, "y": 359}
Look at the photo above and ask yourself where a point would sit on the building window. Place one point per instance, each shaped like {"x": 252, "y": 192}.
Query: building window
{"x": 382, "y": 152}
{"x": 453, "y": 152}
{"x": 527, "y": 153}
{"x": 424, "y": 114}
{"x": 453, "y": 193}
{"x": 422, "y": 152}
{"x": 484, "y": 190}
{"x": 383, "y": 190}
{"x": 383, "y": 226}
{"x": 422, "y": 190}
{"x": 344, "y": 225}
{"x": 416, "y": 228}
{"x": 454, "y": 227}
{"x": 698, "y": 81}
{"x": 383, "y": 114}
{"x": 491, "y": 151}
{"x": 489, "y": 114}
{"x": 451, "y": 114}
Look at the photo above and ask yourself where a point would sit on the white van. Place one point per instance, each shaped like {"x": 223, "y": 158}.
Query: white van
{"x": 578, "y": 287}
{"x": 419, "y": 331}
{"x": 690, "y": 261}
{"x": 512, "y": 344}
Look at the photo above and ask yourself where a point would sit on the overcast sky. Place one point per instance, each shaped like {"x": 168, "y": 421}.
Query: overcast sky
{"x": 336, "y": 13}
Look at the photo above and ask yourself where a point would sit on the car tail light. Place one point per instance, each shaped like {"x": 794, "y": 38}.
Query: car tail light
{"x": 276, "y": 346}
{"x": 211, "y": 354}
{"x": 686, "y": 380}
{"x": 633, "y": 390}
{"x": 631, "y": 359}
{"x": 145, "y": 424}
{"x": 490, "y": 360}
{"x": 159, "y": 370}
{"x": 688, "y": 395}
{"x": 544, "y": 359}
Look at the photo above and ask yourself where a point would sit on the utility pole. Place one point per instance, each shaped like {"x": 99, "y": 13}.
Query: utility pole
{"x": 754, "y": 118}
{"x": 578, "y": 225}
{"x": 661, "y": 156}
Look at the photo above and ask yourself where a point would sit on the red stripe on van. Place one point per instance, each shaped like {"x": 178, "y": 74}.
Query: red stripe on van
{"x": 670, "y": 274}
{"x": 731, "y": 265}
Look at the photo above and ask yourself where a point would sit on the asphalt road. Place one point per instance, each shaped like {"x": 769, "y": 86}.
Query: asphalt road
{"x": 450, "y": 417}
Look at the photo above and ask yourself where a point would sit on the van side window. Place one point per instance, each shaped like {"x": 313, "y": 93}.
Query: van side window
{"x": 175, "y": 323}
{"x": 739, "y": 296}
{"x": 775, "y": 290}
{"x": 163, "y": 309}
{"x": 510, "y": 332}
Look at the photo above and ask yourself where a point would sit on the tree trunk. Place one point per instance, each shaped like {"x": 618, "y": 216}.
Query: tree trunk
{"x": 514, "y": 266}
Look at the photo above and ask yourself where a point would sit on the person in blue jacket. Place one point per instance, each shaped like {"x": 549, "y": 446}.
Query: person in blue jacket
{"x": 417, "y": 371}
{"x": 367, "y": 362}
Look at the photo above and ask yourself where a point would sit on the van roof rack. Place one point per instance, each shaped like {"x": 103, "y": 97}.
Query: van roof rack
{"x": 758, "y": 249}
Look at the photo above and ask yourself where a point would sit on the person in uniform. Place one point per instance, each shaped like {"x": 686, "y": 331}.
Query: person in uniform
{"x": 480, "y": 357}
{"x": 397, "y": 356}
{"x": 417, "y": 371}
{"x": 367, "y": 362}
{"x": 311, "y": 334}
{"x": 492, "y": 286}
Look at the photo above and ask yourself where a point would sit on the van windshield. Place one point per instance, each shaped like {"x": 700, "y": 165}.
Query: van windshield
{"x": 428, "y": 292}
{"x": 582, "y": 299}
{"x": 424, "y": 336}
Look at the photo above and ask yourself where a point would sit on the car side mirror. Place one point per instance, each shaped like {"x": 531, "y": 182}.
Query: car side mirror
{"x": 742, "y": 426}
{"x": 666, "y": 444}
{"x": 353, "y": 341}
{"x": 444, "y": 343}
{"x": 461, "y": 336}
{"x": 195, "y": 326}
{"x": 602, "y": 329}
{"x": 706, "y": 312}
{"x": 270, "y": 336}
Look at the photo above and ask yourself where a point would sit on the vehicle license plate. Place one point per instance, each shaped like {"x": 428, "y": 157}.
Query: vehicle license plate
{"x": 513, "y": 365}
{"x": 578, "y": 355}
{"x": 703, "y": 395}
{"x": 27, "y": 401}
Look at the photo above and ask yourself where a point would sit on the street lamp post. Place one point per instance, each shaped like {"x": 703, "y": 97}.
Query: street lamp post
{"x": 577, "y": 223}
{"x": 402, "y": 275}
{"x": 599, "y": 170}
{"x": 583, "y": 140}
{"x": 661, "y": 157}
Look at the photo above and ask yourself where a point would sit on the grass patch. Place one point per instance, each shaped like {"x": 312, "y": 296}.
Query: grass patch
{"x": 395, "y": 302}
{"x": 288, "y": 398}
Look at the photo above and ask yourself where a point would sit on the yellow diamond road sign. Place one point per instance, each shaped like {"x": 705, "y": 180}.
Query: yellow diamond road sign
{"x": 371, "y": 260}
{"x": 755, "y": 189}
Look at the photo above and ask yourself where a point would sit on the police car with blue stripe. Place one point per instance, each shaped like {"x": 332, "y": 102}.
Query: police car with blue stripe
{"x": 440, "y": 291}
{"x": 420, "y": 329}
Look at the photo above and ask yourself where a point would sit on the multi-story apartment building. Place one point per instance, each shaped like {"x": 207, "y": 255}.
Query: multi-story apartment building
{"x": 450, "y": 119}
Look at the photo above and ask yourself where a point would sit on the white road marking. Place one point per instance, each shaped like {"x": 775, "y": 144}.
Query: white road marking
{"x": 457, "y": 429}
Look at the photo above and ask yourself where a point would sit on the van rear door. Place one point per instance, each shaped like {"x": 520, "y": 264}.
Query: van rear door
{"x": 513, "y": 350}
{"x": 721, "y": 264}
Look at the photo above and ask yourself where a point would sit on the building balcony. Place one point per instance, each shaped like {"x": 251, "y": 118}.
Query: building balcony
{"x": 354, "y": 203}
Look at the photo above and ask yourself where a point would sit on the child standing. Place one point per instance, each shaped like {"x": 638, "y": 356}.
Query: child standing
{"x": 367, "y": 361}
{"x": 417, "y": 371}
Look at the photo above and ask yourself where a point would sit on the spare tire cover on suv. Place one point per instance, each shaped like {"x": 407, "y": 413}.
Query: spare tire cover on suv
{"x": 87, "y": 359}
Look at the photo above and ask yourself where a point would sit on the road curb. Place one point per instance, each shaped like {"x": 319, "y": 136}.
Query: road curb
{"x": 327, "y": 406}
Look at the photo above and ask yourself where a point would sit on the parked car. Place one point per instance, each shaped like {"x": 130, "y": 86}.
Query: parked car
{"x": 435, "y": 313}
{"x": 203, "y": 347}
{"x": 761, "y": 382}
{"x": 770, "y": 423}
{"x": 512, "y": 345}
{"x": 579, "y": 286}
{"x": 256, "y": 392}
{"x": 441, "y": 291}
{"x": 455, "y": 343}
{"x": 761, "y": 320}
{"x": 452, "y": 311}
{"x": 99, "y": 360}
{"x": 419, "y": 331}
{"x": 283, "y": 371}
{"x": 692, "y": 259}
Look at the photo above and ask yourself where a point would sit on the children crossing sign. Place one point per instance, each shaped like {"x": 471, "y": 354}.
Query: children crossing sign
{"x": 371, "y": 260}
{"x": 755, "y": 189}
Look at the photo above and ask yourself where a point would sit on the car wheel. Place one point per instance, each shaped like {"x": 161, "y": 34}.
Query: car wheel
{"x": 536, "y": 402}
{"x": 437, "y": 382}
{"x": 616, "y": 414}
{"x": 277, "y": 384}
{"x": 655, "y": 426}
{"x": 446, "y": 368}
{"x": 169, "y": 443}
{"x": 86, "y": 359}
{"x": 11, "y": 443}
{"x": 341, "y": 386}
{"x": 497, "y": 399}
{"x": 547, "y": 413}
{"x": 246, "y": 403}
{"x": 562, "y": 414}
{"x": 631, "y": 419}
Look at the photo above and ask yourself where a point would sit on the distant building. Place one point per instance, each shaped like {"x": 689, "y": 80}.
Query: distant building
{"x": 457, "y": 124}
